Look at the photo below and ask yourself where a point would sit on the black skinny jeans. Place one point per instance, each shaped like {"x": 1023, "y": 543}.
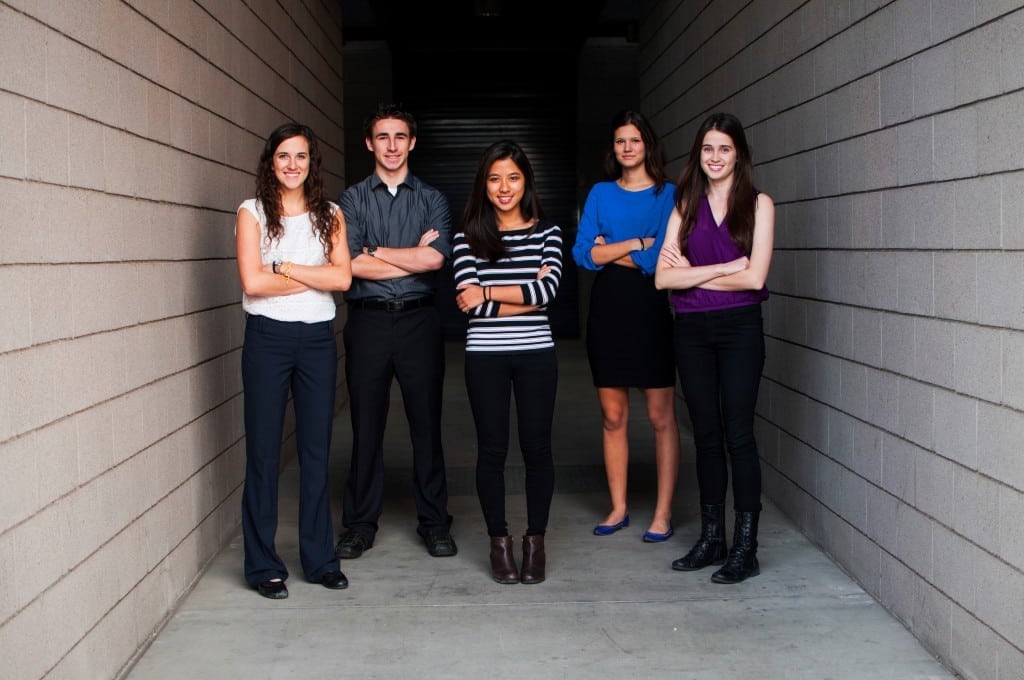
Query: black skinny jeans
{"x": 720, "y": 356}
{"x": 490, "y": 382}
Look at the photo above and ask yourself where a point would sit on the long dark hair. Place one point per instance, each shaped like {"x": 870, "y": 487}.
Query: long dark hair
{"x": 694, "y": 184}
{"x": 654, "y": 157}
{"x": 478, "y": 220}
{"x": 268, "y": 192}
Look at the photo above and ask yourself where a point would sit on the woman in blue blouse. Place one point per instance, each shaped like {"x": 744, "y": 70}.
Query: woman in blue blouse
{"x": 629, "y": 327}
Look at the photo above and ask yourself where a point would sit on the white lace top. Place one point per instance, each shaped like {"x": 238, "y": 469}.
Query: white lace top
{"x": 298, "y": 244}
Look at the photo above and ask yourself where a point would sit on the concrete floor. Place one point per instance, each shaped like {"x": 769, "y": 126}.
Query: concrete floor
{"x": 611, "y": 606}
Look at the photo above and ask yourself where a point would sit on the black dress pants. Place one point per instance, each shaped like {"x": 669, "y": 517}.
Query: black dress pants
{"x": 381, "y": 346}
{"x": 278, "y": 356}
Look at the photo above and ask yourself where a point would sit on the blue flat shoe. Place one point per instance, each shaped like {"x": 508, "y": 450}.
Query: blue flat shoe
{"x": 609, "y": 529}
{"x": 651, "y": 537}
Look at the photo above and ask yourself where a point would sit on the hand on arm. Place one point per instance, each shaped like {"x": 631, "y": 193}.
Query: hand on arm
{"x": 471, "y": 299}
{"x": 471, "y": 296}
{"x": 619, "y": 252}
{"x": 335, "y": 275}
{"x": 675, "y": 272}
{"x": 392, "y": 263}
{"x": 514, "y": 308}
{"x": 257, "y": 279}
{"x": 753, "y": 276}
{"x": 516, "y": 295}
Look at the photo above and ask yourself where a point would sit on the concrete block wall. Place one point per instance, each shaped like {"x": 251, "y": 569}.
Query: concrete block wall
{"x": 129, "y": 133}
{"x": 892, "y": 409}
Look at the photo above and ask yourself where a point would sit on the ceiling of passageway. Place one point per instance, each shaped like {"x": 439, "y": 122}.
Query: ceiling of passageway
{"x": 477, "y": 23}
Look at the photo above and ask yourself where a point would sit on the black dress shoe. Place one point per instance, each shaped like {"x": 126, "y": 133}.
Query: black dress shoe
{"x": 352, "y": 544}
{"x": 334, "y": 580}
{"x": 275, "y": 590}
{"x": 440, "y": 545}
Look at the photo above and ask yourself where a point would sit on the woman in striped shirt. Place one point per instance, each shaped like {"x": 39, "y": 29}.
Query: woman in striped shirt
{"x": 507, "y": 266}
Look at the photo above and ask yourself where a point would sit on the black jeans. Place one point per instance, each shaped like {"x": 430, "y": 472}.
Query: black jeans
{"x": 381, "y": 346}
{"x": 720, "y": 356}
{"x": 490, "y": 382}
{"x": 278, "y": 356}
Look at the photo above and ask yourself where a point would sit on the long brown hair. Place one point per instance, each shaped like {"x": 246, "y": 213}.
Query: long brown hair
{"x": 693, "y": 185}
{"x": 654, "y": 157}
{"x": 478, "y": 219}
{"x": 268, "y": 191}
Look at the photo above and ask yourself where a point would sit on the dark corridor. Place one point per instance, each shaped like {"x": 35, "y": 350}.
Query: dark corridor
{"x": 477, "y": 72}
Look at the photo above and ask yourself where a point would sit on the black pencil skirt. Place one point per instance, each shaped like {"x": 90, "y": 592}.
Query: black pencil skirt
{"x": 629, "y": 331}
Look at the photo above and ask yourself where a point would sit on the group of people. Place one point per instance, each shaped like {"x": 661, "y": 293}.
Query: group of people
{"x": 707, "y": 240}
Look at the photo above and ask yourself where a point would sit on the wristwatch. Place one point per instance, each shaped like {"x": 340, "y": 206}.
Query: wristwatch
{"x": 370, "y": 250}
{"x": 274, "y": 265}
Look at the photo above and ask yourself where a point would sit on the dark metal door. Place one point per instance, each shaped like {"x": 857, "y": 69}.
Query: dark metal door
{"x": 528, "y": 95}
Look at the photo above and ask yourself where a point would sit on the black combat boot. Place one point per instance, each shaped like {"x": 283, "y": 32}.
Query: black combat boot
{"x": 741, "y": 563}
{"x": 710, "y": 547}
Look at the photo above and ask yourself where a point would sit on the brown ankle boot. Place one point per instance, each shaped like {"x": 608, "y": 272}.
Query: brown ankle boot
{"x": 503, "y": 562}
{"x": 533, "y": 559}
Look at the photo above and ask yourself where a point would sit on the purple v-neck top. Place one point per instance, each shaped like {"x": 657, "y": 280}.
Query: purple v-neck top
{"x": 709, "y": 243}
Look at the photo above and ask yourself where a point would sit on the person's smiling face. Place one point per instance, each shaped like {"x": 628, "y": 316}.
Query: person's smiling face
{"x": 391, "y": 144}
{"x": 629, "y": 147}
{"x": 505, "y": 185}
{"x": 717, "y": 155}
{"x": 291, "y": 162}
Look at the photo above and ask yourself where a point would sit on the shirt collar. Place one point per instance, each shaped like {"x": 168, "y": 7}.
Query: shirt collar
{"x": 410, "y": 181}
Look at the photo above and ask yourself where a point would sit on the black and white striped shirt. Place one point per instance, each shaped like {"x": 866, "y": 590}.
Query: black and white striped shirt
{"x": 528, "y": 250}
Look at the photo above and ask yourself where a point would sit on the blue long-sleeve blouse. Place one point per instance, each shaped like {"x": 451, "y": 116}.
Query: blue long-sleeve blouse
{"x": 618, "y": 215}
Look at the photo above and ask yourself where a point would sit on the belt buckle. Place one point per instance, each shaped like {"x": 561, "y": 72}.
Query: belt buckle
{"x": 393, "y": 305}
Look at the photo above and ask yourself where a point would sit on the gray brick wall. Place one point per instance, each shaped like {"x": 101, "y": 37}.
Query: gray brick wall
{"x": 892, "y": 410}
{"x": 129, "y": 132}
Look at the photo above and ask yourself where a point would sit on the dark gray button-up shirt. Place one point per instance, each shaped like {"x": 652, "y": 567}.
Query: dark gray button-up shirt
{"x": 373, "y": 217}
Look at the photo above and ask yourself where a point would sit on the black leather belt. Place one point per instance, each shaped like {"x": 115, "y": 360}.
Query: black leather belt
{"x": 392, "y": 305}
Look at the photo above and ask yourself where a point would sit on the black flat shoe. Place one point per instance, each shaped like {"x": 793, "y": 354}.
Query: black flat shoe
{"x": 275, "y": 590}
{"x": 440, "y": 545}
{"x": 334, "y": 580}
{"x": 352, "y": 544}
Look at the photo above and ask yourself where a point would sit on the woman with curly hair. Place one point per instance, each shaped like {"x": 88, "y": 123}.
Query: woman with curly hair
{"x": 292, "y": 253}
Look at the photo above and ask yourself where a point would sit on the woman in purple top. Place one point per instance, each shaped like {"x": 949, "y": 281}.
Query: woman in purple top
{"x": 715, "y": 259}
